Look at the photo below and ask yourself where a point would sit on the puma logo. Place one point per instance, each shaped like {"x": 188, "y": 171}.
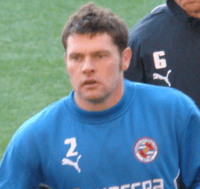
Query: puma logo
{"x": 160, "y": 77}
{"x": 66, "y": 161}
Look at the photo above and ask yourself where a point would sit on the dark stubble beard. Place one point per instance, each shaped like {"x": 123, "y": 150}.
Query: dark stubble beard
{"x": 100, "y": 99}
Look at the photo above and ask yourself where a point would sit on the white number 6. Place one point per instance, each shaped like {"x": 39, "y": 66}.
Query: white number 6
{"x": 159, "y": 62}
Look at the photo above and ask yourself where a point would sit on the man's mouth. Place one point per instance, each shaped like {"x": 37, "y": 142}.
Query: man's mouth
{"x": 90, "y": 83}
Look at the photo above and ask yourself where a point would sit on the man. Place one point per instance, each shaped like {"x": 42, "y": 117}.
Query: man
{"x": 166, "y": 47}
{"x": 108, "y": 133}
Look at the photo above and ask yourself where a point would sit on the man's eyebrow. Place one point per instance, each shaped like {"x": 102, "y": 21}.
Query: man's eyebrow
{"x": 101, "y": 52}
{"x": 74, "y": 54}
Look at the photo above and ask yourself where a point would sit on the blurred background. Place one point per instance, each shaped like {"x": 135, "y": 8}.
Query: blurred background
{"x": 32, "y": 68}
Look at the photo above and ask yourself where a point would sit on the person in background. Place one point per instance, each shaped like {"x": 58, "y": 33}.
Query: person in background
{"x": 108, "y": 133}
{"x": 166, "y": 47}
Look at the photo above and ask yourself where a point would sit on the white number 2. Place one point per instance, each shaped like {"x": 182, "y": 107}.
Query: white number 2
{"x": 159, "y": 62}
{"x": 72, "y": 142}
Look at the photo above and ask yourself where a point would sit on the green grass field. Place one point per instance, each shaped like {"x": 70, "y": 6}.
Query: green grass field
{"x": 32, "y": 69}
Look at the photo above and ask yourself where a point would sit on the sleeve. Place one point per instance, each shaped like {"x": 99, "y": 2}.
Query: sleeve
{"x": 135, "y": 72}
{"x": 14, "y": 172}
{"x": 190, "y": 151}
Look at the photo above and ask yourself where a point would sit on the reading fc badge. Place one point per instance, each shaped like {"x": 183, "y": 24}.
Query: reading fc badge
{"x": 146, "y": 150}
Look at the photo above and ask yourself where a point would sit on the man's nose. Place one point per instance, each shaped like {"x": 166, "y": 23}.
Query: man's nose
{"x": 88, "y": 65}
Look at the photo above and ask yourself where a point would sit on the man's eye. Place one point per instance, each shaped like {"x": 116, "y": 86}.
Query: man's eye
{"x": 101, "y": 56}
{"x": 76, "y": 58}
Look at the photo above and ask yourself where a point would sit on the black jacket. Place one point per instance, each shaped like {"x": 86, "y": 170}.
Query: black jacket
{"x": 166, "y": 50}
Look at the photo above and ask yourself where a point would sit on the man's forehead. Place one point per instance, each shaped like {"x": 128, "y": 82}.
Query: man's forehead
{"x": 84, "y": 42}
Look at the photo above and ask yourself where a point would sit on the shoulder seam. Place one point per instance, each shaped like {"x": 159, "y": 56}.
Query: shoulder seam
{"x": 158, "y": 9}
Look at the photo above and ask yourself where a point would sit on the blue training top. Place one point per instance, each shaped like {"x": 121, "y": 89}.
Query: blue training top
{"x": 143, "y": 142}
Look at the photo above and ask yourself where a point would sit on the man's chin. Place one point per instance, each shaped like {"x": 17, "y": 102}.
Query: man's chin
{"x": 195, "y": 14}
{"x": 96, "y": 100}
{"x": 192, "y": 9}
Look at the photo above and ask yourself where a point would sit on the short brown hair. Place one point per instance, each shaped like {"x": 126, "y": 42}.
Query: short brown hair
{"x": 90, "y": 19}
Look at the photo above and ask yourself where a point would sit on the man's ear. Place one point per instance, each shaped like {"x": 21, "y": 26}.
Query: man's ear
{"x": 126, "y": 58}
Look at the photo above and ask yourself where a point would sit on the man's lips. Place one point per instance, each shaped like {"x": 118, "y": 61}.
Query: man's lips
{"x": 90, "y": 83}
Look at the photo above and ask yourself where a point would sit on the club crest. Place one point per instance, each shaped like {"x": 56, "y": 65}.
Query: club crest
{"x": 145, "y": 150}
